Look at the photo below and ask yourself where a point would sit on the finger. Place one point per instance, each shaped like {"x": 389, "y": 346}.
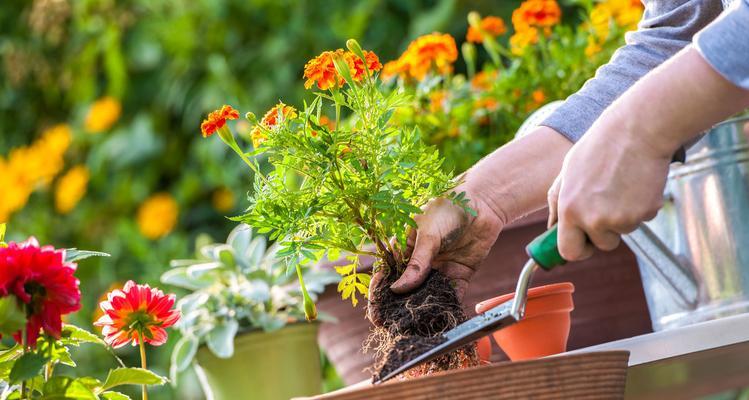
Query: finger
{"x": 572, "y": 241}
{"x": 604, "y": 240}
{"x": 425, "y": 248}
{"x": 552, "y": 198}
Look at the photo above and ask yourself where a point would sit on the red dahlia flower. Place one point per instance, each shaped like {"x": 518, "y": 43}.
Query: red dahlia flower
{"x": 137, "y": 311}
{"x": 41, "y": 279}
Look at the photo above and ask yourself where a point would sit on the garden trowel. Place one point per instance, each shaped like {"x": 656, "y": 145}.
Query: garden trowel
{"x": 543, "y": 254}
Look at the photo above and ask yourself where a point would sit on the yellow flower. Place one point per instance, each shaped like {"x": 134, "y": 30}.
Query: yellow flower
{"x": 522, "y": 39}
{"x": 102, "y": 114}
{"x": 71, "y": 188}
{"x": 593, "y": 47}
{"x": 223, "y": 200}
{"x": 15, "y": 192}
{"x": 157, "y": 216}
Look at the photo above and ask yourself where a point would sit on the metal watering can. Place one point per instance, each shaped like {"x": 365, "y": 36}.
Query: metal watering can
{"x": 705, "y": 223}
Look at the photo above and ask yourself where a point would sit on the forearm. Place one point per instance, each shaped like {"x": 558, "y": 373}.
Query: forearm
{"x": 514, "y": 179}
{"x": 673, "y": 104}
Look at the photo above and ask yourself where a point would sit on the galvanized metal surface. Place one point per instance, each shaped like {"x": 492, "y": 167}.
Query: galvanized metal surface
{"x": 704, "y": 222}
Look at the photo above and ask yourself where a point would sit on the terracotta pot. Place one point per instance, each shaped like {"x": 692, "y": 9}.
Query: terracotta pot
{"x": 544, "y": 329}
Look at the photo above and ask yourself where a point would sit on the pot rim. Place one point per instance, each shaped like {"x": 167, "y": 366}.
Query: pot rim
{"x": 533, "y": 293}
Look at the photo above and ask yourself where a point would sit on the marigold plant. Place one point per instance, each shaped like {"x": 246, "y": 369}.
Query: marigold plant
{"x": 349, "y": 187}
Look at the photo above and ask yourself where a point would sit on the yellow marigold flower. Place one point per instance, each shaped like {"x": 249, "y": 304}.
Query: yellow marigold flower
{"x": 593, "y": 47}
{"x": 494, "y": 26}
{"x": 223, "y": 200}
{"x": 102, "y": 114}
{"x": 15, "y": 191}
{"x": 522, "y": 39}
{"x": 536, "y": 13}
{"x": 279, "y": 113}
{"x": 71, "y": 188}
{"x": 157, "y": 216}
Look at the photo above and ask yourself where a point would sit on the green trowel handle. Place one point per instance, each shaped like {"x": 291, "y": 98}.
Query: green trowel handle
{"x": 544, "y": 251}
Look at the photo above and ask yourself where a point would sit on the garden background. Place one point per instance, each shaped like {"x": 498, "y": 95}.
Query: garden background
{"x": 101, "y": 102}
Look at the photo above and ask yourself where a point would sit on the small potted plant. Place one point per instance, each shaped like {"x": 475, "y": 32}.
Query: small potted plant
{"x": 350, "y": 187}
{"x": 240, "y": 320}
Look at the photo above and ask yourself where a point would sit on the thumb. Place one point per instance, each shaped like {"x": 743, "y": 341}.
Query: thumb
{"x": 426, "y": 247}
{"x": 552, "y": 197}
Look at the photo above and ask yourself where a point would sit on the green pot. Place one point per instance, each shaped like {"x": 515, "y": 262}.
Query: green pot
{"x": 267, "y": 366}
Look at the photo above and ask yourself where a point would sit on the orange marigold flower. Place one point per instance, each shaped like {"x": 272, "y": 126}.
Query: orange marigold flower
{"x": 135, "y": 313}
{"x": 357, "y": 64}
{"x": 522, "y": 39}
{"x": 437, "y": 100}
{"x": 435, "y": 51}
{"x": 494, "y": 26}
{"x": 538, "y": 96}
{"x": 271, "y": 119}
{"x": 217, "y": 119}
{"x": 483, "y": 79}
{"x": 321, "y": 71}
{"x": 536, "y": 13}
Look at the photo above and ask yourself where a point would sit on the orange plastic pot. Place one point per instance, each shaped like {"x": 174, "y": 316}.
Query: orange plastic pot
{"x": 544, "y": 329}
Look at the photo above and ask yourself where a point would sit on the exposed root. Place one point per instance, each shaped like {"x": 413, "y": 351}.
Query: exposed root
{"x": 408, "y": 325}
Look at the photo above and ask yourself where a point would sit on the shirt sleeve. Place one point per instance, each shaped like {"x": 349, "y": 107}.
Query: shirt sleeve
{"x": 667, "y": 26}
{"x": 724, "y": 44}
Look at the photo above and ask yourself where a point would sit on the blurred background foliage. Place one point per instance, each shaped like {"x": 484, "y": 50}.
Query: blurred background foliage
{"x": 118, "y": 89}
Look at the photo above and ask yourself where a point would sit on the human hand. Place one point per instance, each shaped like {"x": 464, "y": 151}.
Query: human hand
{"x": 609, "y": 183}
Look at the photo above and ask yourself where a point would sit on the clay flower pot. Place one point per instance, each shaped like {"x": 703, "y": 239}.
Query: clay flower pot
{"x": 544, "y": 329}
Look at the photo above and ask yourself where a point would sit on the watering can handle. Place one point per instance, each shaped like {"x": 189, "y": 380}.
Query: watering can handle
{"x": 544, "y": 250}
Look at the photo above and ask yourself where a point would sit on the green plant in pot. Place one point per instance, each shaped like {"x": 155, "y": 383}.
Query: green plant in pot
{"x": 240, "y": 321}
{"x": 352, "y": 185}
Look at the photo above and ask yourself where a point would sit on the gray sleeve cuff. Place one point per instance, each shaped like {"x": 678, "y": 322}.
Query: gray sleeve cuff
{"x": 667, "y": 27}
{"x": 725, "y": 44}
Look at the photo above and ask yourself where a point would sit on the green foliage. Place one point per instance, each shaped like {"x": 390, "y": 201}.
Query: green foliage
{"x": 235, "y": 286}
{"x": 131, "y": 376}
{"x": 361, "y": 182}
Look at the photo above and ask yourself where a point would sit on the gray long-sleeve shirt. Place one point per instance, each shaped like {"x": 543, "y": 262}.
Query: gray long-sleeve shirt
{"x": 667, "y": 26}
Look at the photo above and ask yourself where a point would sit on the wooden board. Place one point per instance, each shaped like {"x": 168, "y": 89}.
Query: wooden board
{"x": 588, "y": 376}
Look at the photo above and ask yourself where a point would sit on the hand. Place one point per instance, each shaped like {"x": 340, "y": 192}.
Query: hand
{"x": 607, "y": 186}
{"x": 449, "y": 240}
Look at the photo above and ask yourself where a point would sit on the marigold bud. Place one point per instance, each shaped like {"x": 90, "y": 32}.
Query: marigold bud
{"x": 251, "y": 117}
{"x": 354, "y": 47}
{"x": 474, "y": 19}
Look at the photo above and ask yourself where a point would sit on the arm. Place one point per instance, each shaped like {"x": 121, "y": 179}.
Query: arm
{"x": 613, "y": 178}
{"x": 666, "y": 27}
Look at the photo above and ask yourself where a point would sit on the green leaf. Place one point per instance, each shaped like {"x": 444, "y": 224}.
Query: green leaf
{"x": 131, "y": 376}
{"x": 73, "y": 335}
{"x": 184, "y": 352}
{"x": 113, "y": 396}
{"x": 221, "y": 338}
{"x": 74, "y": 255}
{"x": 27, "y": 367}
{"x": 12, "y": 315}
{"x": 66, "y": 388}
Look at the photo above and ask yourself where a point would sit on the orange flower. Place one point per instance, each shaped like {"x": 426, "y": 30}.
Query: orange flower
{"x": 135, "y": 313}
{"x": 357, "y": 64}
{"x": 536, "y": 13}
{"x": 522, "y": 39}
{"x": 437, "y": 100}
{"x": 321, "y": 69}
{"x": 494, "y": 26}
{"x": 538, "y": 96}
{"x": 483, "y": 80}
{"x": 280, "y": 112}
{"x": 486, "y": 103}
{"x": 435, "y": 51}
{"x": 217, "y": 119}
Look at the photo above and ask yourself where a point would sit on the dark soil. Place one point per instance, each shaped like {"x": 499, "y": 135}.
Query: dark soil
{"x": 407, "y": 325}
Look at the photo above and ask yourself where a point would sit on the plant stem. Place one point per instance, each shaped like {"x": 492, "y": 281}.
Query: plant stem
{"x": 143, "y": 364}
{"x": 24, "y": 340}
